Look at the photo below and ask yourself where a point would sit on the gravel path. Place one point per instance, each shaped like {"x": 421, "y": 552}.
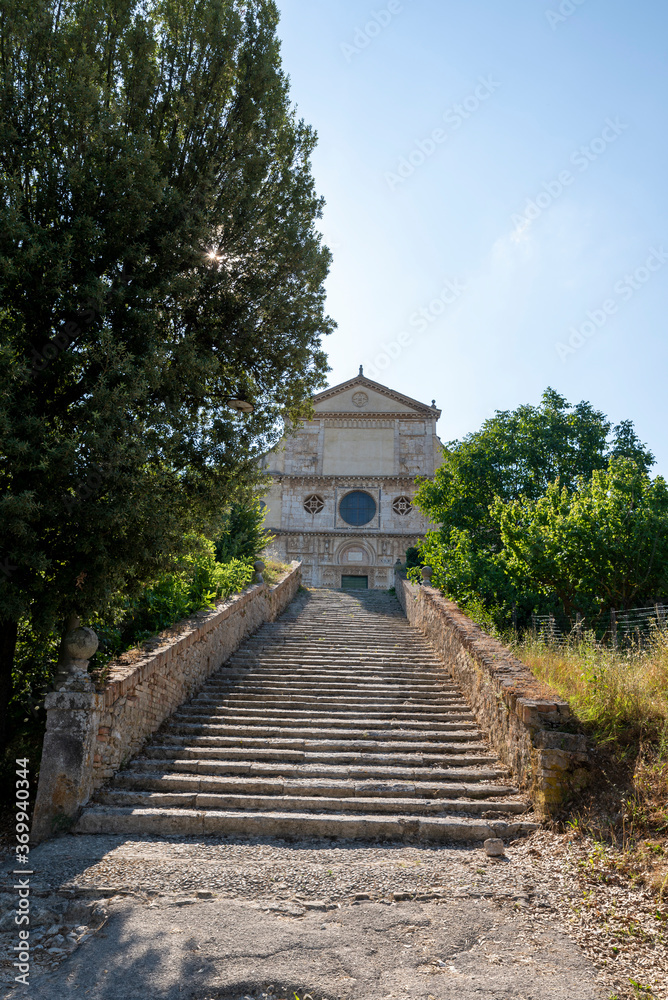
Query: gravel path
{"x": 544, "y": 884}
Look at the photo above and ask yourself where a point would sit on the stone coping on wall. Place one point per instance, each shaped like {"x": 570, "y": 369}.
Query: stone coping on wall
{"x": 119, "y": 677}
{"x": 527, "y": 721}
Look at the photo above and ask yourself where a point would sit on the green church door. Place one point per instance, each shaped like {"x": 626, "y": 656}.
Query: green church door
{"x": 355, "y": 582}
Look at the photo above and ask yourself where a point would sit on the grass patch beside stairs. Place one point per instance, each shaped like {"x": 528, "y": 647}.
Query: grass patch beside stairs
{"x": 621, "y": 700}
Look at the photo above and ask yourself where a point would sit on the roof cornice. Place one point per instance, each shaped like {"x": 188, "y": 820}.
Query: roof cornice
{"x": 383, "y": 390}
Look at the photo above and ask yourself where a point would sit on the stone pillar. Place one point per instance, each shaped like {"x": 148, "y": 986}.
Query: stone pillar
{"x": 72, "y": 721}
{"x": 427, "y": 573}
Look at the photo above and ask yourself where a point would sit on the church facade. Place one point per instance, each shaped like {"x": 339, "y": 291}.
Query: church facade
{"x": 343, "y": 484}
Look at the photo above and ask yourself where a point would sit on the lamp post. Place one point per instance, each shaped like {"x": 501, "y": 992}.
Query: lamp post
{"x": 240, "y": 405}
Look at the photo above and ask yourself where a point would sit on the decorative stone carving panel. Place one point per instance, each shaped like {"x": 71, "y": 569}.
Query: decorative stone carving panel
{"x": 314, "y": 504}
{"x": 402, "y": 506}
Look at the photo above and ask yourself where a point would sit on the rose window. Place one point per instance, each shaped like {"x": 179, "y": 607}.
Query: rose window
{"x": 314, "y": 504}
{"x": 402, "y": 506}
{"x": 357, "y": 508}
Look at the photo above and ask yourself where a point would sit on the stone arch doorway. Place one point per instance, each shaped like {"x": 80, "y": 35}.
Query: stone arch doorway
{"x": 356, "y": 554}
{"x": 355, "y": 560}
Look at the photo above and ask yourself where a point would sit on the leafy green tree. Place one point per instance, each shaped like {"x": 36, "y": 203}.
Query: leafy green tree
{"x": 196, "y": 582}
{"x": 515, "y": 454}
{"x": 158, "y": 258}
{"x": 243, "y": 535}
{"x": 602, "y": 545}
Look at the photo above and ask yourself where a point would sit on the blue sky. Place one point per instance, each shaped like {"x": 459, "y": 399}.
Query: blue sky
{"x": 497, "y": 207}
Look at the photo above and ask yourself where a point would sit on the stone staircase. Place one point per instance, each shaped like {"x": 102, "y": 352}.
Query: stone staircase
{"x": 337, "y": 720}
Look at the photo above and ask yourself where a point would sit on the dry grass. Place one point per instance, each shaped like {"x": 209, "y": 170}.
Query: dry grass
{"x": 274, "y": 570}
{"x": 621, "y": 697}
{"x": 621, "y": 701}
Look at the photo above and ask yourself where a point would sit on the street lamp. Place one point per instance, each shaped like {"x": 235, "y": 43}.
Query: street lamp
{"x": 241, "y": 405}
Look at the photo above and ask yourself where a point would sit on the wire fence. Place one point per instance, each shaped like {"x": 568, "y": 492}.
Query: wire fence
{"x": 624, "y": 628}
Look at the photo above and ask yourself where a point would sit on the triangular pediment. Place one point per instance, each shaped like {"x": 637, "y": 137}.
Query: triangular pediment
{"x": 361, "y": 395}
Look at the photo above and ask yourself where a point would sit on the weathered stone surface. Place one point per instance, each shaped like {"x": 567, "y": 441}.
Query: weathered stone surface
{"x": 66, "y": 773}
{"x": 334, "y": 721}
{"x": 494, "y": 847}
{"x": 362, "y": 436}
{"x": 522, "y": 715}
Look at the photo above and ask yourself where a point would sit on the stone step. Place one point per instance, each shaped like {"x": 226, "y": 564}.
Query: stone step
{"x": 159, "y": 780}
{"x": 302, "y": 803}
{"x": 175, "y": 749}
{"x": 366, "y": 639}
{"x": 319, "y": 640}
{"x": 334, "y": 675}
{"x": 359, "y": 772}
{"x": 338, "y": 720}
{"x": 399, "y": 715}
{"x": 278, "y": 721}
{"x": 208, "y": 726}
{"x": 260, "y": 675}
{"x": 399, "y": 708}
{"x": 284, "y": 680}
{"x": 367, "y": 748}
{"x": 335, "y": 659}
{"x": 345, "y": 694}
{"x": 297, "y": 825}
{"x": 266, "y": 700}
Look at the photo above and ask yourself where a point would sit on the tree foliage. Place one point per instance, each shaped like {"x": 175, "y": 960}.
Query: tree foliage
{"x": 515, "y": 466}
{"x": 243, "y": 534}
{"x": 158, "y": 256}
{"x": 601, "y": 545}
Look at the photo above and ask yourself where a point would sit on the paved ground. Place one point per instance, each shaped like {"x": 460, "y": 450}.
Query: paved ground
{"x": 216, "y": 920}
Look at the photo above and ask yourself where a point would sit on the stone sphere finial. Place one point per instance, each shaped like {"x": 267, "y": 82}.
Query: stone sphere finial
{"x": 259, "y": 568}
{"x": 427, "y": 573}
{"x": 81, "y": 643}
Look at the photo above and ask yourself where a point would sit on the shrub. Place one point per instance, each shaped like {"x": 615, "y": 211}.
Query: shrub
{"x": 244, "y": 536}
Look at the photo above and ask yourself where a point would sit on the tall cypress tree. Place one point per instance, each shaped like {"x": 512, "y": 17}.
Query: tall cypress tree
{"x": 158, "y": 258}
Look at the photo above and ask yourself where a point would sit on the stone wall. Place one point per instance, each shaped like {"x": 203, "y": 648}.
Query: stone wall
{"x": 527, "y": 721}
{"x": 138, "y": 697}
{"x": 91, "y": 734}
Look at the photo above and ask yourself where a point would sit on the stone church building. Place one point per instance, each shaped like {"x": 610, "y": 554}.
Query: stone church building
{"x": 344, "y": 482}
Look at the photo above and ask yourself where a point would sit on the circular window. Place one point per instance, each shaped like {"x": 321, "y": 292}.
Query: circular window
{"x": 314, "y": 504}
{"x": 402, "y": 506}
{"x": 357, "y": 508}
